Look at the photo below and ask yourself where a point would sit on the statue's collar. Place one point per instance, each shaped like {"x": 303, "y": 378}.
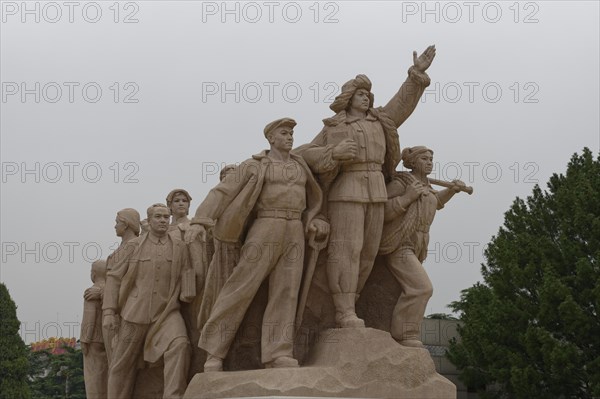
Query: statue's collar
{"x": 342, "y": 116}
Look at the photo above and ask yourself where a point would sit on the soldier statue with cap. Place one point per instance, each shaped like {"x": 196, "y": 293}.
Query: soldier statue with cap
{"x": 269, "y": 204}
{"x": 354, "y": 155}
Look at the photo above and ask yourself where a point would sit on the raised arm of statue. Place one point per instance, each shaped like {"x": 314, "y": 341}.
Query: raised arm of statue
{"x": 404, "y": 102}
{"x": 446, "y": 195}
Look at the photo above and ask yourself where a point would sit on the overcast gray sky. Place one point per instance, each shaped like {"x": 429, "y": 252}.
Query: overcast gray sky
{"x": 111, "y": 105}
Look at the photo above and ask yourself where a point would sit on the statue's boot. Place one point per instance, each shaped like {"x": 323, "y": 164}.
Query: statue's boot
{"x": 282, "y": 362}
{"x": 345, "y": 313}
{"x": 213, "y": 363}
{"x": 413, "y": 343}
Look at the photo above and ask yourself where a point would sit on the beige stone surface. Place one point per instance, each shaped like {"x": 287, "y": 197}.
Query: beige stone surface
{"x": 353, "y": 156}
{"x": 179, "y": 201}
{"x": 409, "y": 212}
{"x": 351, "y": 363}
{"x": 275, "y": 193}
{"x": 143, "y": 290}
{"x": 95, "y": 361}
{"x": 127, "y": 227}
{"x": 279, "y": 311}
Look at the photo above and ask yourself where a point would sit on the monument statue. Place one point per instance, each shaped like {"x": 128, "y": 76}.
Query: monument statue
{"x": 142, "y": 299}
{"x": 95, "y": 361}
{"x": 127, "y": 226}
{"x": 225, "y": 257}
{"x": 275, "y": 197}
{"x": 263, "y": 225}
{"x": 409, "y": 212}
{"x": 353, "y": 156}
{"x": 178, "y": 201}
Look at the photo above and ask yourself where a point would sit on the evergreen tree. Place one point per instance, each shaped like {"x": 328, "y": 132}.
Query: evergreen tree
{"x": 14, "y": 363}
{"x": 532, "y": 328}
{"x": 55, "y": 376}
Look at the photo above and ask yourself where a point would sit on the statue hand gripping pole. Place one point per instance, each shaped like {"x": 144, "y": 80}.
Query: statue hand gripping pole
{"x": 315, "y": 246}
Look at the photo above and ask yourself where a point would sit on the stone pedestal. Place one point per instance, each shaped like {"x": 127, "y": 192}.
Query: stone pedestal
{"x": 344, "y": 363}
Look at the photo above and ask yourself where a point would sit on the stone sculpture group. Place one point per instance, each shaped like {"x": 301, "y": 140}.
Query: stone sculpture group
{"x": 299, "y": 220}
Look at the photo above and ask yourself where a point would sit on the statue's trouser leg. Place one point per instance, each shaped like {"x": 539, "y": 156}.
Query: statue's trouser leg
{"x": 353, "y": 244}
{"x": 416, "y": 291}
{"x": 199, "y": 264}
{"x": 177, "y": 364}
{"x": 257, "y": 259}
{"x": 284, "y": 283}
{"x": 225, "y": 258}
{"x": 354, "y": 241}
{"x": 124, "y": 365}
{"x": 95, "y": 370}
{"x": 196, "y": 249}
{"x": 190, "y": 311}
{"x": 373, "y": 228}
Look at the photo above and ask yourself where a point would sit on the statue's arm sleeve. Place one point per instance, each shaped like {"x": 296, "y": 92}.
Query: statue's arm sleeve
{"x": 114, "y": 276}
{"x": 394, "y": 206}
{"x": 443, "y": 196}
{"x": 188, "y": 278}
{"x": 319, "y": 154}
{"x": 404, "y": 102}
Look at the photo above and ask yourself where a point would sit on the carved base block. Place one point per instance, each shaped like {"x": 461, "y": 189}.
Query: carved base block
{"x": 149, "y": 383}
{"x": 344, "y": 363}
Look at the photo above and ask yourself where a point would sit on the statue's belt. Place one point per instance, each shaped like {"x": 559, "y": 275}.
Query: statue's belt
{"x": 289, "y": 214}
{"x": 362, "y": 167}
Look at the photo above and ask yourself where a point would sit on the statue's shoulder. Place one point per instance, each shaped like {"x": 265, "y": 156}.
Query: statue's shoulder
{"x": 401, "y": 179}
{"x": 335, "y": 120}
{"x": 258, "y": 158}
{"x": 134, "y": 242}
{"x": 403, "y": 175}
{"x": 125, "y": 250}
{"x": 251, "y": 167}
{"x": 298, "y": 158}
{"x": 175, "y": 233}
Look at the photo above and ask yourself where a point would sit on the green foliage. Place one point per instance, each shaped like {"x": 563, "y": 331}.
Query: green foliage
{"x": 57, "y": 376}
{"x": 532, "y": 329}
{"x": 441, "y": 316}
{"x": 13, "y": 352}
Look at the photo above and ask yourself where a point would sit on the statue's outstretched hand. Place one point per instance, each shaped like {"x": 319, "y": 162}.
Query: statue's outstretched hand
{"x": 458, "y": 185}
{"x": 415, "y": 190}
{"x": 423, "y": 61}
{"x": 93, "y": 293}
{"x": 193, "y": 232}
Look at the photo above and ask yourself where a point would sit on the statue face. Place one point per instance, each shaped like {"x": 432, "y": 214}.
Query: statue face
{"x": 159, "y": 221}
{"x": 180, "y": 205}
{"x": 120, "y": 227}
{"x": 424, "y": 163}
{"x": 282, "y": 139}
{"x": 360, "y": 100}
